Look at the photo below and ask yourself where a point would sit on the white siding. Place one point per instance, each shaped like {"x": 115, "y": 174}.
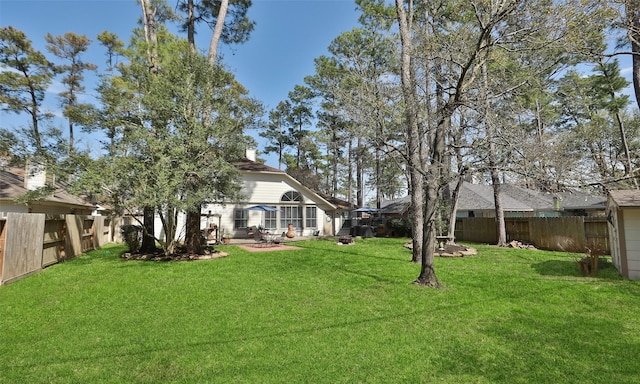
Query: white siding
{"x": 632, "y": 237}
{"x": 614, "y": 238}
{"x": 268, "y": 189}
{"x": 7, "y": 207}
{"x": 261, "y": 189}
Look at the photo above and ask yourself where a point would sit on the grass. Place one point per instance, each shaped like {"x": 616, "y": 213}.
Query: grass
{"x": 323, "y": 314}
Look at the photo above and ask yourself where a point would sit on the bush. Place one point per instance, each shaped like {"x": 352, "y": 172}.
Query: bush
{"x": 399, "y": 227}
{"x": 132, "y": 235}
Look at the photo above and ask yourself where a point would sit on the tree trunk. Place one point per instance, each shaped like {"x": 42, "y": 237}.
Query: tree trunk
{"x": 413, "y": 137}
{"x": 350, "y": 172}
{"x": 334, "y": 167}
{"x": 432, "y": 182}
{"x": 427, "y": 275}
{"x": 148, "y": 232}
{"x": 451, "y": 232}
{"x": 151, "y": 38}
{"x": 628, "y": 166}
{"x": 169, "y": 219}
{"x": 490, "y": 131}
{"x": 359, "y": 174}
{"x": 193, "y": 239}
{"x": 191, "y": 26}
{"x": 633, "y": 20}
{"x": 497, "y": 198}
{"x": 217, "y": 31}
{"x": 150, "y": 34}
{"x": 34, "y": 120}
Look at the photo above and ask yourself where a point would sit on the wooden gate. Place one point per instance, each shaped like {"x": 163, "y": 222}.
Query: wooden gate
{"x": 23, "y": 245}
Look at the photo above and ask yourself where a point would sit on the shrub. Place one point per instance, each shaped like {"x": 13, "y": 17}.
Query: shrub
{"x": 399, "y": 227}
{"x": 132, "y": 235}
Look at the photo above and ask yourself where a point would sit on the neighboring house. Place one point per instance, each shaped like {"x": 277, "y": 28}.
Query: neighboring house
{"x": 309, "y": 212}
{"x": 395, "y": 208}
{"x": 476, "y": 200}
{"x": 623, "y": 214}
{"x": 15, "y": 183}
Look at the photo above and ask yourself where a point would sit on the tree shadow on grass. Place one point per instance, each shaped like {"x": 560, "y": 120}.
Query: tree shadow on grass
{"x": 100, "y": 255}
{"x": 570, "y": 268}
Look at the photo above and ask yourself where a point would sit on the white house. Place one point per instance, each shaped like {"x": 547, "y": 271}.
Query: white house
{"x": 623, "y": 214}
{"x": 311, "y": 213}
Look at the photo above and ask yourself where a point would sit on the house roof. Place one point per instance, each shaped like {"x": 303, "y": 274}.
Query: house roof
{"x": 626, "y": 198}
{"x": 395, "y": 207}
{"x": 12, "y": 186}
{"x": 581, "y": 200}
{"x": 247, "y": 165}
{"x": 480, "y": 197}
{"x": 339, "y": 203}
{"x": 515, "y": 199}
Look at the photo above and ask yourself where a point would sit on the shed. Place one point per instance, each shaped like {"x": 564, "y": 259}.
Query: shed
{"x": 623, "y": 214}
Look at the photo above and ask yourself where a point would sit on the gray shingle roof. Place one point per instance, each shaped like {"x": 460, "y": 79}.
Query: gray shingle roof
{"x": 626, "y": 198}
{"x": 514, "y": 198}
{"x": 12, "y": 186}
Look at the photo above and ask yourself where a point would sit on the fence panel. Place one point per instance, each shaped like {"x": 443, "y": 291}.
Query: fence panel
{"x": 30, "y": 241}
{"x": 54, "y": 238}
{"x": 74, "y": 234}
{"x": 476, "y": 229}
{"x": 517, "y": 230}
{"x": 101, "y": 230}
{"x": 569, "y": 234}
{"x": 23, "y": 245}
{"x": 88, "y": 233}
{"x": 596, "y": 232}
{"x": 558, "y": 233}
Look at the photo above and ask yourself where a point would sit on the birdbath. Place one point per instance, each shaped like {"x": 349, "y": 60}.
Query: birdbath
{"x": 442, "y": 240}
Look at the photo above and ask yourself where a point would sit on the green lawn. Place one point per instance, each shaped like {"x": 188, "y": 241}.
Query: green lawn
{"x": 323, "y": 314}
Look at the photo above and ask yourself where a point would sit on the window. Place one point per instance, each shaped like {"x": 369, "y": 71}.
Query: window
{"x": 270, "y": 220}
{"x": 291, "y": 196}
{"x": 311, "y": 217}
{"x": 291, "y": 215}
{"x": 239, "y": 218}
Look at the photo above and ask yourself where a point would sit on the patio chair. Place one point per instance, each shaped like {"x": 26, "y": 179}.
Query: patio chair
{"x": 259, "y": 238}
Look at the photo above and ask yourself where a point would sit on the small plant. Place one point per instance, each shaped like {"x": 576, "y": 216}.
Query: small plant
{"x": 132, "y": 235}
{"x": 589, "y": 264}
{"x": 226, "y": 237}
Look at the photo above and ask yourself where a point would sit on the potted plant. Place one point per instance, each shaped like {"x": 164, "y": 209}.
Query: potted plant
{"x": 226, "y": 238}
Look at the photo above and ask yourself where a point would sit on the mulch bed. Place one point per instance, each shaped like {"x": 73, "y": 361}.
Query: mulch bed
{"x": 159, "y": 256}
{"x": 209, "y": 254}
{"x": 450, "y": 250}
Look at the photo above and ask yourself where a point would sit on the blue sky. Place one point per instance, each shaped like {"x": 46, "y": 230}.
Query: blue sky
{"x": 288, "y": 35}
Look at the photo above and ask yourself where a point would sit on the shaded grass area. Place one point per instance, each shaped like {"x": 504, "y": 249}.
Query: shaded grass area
{"x": 321, "y": 314}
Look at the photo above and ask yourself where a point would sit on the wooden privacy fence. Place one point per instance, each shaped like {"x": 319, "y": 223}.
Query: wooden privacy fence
{"x": 32, "y": 241}
{"x": 569, "y": 234}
